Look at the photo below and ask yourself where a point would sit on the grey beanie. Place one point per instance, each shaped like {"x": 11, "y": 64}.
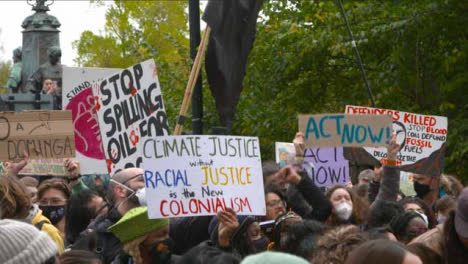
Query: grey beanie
{"x": 24, "y": 243}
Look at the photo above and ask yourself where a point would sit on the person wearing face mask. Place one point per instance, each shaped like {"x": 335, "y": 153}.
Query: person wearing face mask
{"x": 121, "y": 198}
{"x": 52, "y": 196}
{"x": 15, "y": 203}
{"x": 246, "y": 239}
{"x": 411, "y": 204}
{"x": 450, "y": 239}
{"x": 348, "y": 208}
{"x": 427, "y": 188}
{"x": 443, "y": 207}
{"x": 408, "y": 226}
{"x": 146, "y": 241}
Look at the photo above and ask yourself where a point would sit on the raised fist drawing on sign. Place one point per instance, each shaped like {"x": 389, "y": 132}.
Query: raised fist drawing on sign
{"x": 87, "y": 134}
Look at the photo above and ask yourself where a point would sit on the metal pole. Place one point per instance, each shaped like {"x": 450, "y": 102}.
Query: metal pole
{"x": 197, "y": 96}
{"x": 353, "y": 43}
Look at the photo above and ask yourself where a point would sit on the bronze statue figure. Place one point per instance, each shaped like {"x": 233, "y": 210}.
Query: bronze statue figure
{"x": 48, "y": 78}
{"x": 15, "y": 82}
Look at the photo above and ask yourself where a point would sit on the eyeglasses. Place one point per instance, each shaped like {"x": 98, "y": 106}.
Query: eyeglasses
{"x": 134, "y": 177}
{"x": 52, "y": 202}
{"x": 275, "y": 203}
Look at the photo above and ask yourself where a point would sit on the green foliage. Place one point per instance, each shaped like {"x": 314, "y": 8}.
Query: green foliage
{"x": 414, "y": 52}
{"x": 5, "y": 68}
{"x": 139, "y": 30}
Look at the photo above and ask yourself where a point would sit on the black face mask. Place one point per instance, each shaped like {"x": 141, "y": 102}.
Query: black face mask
{"x": 260, "y": 245}
{"x": 161, "y": 252}
{"x": 53, "y": 213}
{"x": 421, "y": 189}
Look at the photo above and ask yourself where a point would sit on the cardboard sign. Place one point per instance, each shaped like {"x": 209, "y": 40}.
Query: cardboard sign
{"x": 422, "y": 140}
{"x": 129, "y": 106}
{"x": 41, "y": 134}
{"x": 335, "y": 130}
{"x": 285, "y": 153}
{"x": 329, "y": 166}
{"x": 201, "y": 175}
{"x": 78, "y": 98}
{"x": 52, "y": 167}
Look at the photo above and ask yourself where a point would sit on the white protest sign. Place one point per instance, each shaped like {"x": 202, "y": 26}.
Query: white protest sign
{"x": 201, "y": 175}
{"x": 78, "y": 98}
{"x": 422, "y": 139}
{"x": 129, "y": 106}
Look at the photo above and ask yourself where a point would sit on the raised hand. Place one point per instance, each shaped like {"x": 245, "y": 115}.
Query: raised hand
{"x": 227, "y": 226}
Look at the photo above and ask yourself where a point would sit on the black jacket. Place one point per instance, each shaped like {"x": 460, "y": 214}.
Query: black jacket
{"x": 97, "y": 238}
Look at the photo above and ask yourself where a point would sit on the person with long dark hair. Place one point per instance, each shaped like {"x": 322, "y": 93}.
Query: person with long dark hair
{"x": 450, "y": 240}
{"x": 81, "y": 209}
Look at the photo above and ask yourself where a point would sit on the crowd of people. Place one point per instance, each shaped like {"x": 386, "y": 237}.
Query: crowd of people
{"x": 102, "y": 219}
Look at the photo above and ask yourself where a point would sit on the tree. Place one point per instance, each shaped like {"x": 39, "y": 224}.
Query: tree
{"x": 414, "y": 53}
{"x": 5, "y": 67}
{"x": 139, "y": 30}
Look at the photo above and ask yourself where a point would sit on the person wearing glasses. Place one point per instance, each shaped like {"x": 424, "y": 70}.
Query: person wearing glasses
{"x": 125, "y": 192}
{"x": 52, "y": 196}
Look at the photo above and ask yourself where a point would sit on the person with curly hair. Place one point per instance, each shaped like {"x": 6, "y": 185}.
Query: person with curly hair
{"x": 335, "y": 245}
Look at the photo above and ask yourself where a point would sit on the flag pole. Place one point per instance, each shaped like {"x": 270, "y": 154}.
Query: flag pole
{"x": 191, "y": 83}
{"x": 353, "y": 43}
{"x": 197, "y": 96}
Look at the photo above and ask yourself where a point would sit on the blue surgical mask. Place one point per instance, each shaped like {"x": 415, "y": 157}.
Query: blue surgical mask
{"x": 441, "y": 220}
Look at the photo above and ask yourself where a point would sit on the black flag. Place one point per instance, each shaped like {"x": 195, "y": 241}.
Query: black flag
{"x": 233, "y": 28}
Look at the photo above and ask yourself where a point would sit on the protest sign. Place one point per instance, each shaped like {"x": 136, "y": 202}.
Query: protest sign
{"x": 285, "y": 153}
{"x": 329, "y": 167}
{"x": 335, "y": 130}
{"x": 41, "y": 134}
{"x": 200, "y": 175}
{"x": 78, "y": 98}
{"x": 422, "y": 139}
{"x": 406, "y": 183}
{"x": 129, "y": 106}
{"x": 52, "y": 167}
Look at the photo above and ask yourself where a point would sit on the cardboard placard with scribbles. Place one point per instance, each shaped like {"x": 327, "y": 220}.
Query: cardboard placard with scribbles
{"x": 41, "y": 134}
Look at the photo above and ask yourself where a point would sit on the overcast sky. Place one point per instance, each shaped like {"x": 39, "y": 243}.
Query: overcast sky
{"x": 75, "y": 17}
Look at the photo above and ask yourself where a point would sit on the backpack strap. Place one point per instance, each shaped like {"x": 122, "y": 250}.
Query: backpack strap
{"x": 39, "y": 225}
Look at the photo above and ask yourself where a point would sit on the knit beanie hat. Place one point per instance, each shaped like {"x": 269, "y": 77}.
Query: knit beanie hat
{"x": 22, "y": 243}
{"x": 135, "y": 223}
{"x": 270, "y": 257}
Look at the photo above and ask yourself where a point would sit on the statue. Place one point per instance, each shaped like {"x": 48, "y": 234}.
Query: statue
{"x": 48, "y": 78}
{"x": 15, "y": 82}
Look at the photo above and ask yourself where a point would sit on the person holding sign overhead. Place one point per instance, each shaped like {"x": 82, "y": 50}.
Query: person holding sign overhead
{"x": 292, "y": 179}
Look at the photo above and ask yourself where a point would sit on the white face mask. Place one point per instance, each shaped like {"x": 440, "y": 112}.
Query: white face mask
{"x": 141, "y": 195}
{"x": 425, "y": 218}
{"x": 343, "y": 211}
